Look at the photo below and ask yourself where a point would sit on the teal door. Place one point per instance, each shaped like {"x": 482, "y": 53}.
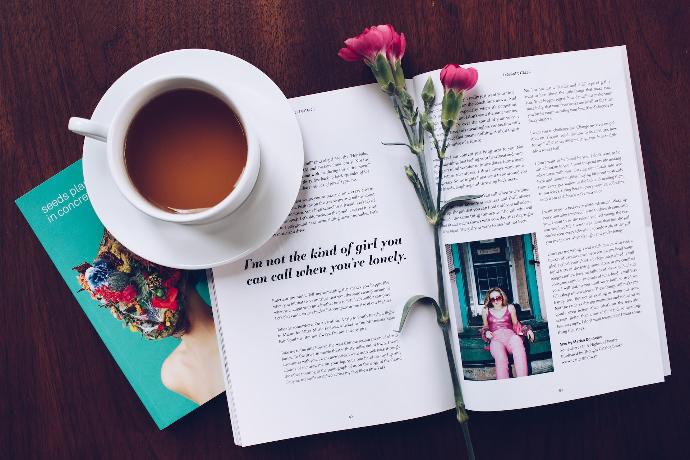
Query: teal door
{"x": 491, "y": 267}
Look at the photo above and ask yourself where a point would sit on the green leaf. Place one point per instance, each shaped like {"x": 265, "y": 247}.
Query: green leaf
{"x": 406, "y": 105}
{"x": 414, "y": 300}
{"x": 426, "y": 123}
{"x": 457, "y": 201}
{"x": 409, "y": 103}
{"x": 397, "y": 143}
{"x": 418, "y": 188}
{"x": 428, "y": 94}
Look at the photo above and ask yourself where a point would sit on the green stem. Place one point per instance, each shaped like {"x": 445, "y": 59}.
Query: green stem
{"x": 420, "y": 130}
{"x": 439, "y": 276}
{"x": 444, "y": 323}
{"x": 425, "y": 182}
{"x": 418, "y": 145}
{"x": 441, "y": 155}
{"x": 396, "y": 103}
{"x": 438, "y": 191}
{"x": 433, "y": 135}
{"x": 445, "y": 141}
{"x": 417, "y": 185}
{"x": 424, "y": 195}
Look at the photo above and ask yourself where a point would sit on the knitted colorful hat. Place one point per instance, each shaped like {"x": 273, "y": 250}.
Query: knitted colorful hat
{"x": 144, "y": 295}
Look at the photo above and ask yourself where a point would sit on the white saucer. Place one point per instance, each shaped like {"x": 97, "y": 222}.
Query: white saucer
{"x": 250, "y": 226}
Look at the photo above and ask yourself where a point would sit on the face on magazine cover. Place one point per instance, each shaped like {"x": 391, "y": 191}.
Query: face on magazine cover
{"x": 158, "y": 302}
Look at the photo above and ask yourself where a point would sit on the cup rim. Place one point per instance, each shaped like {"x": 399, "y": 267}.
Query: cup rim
{"x": 117, "y": 133}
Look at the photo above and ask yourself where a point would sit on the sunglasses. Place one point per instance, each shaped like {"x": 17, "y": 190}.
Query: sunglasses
{"x": 494, "y": 299}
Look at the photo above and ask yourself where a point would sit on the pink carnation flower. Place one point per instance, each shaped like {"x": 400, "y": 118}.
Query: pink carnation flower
{"x": 455, "y": 77}
{"x": 375, "y": 40}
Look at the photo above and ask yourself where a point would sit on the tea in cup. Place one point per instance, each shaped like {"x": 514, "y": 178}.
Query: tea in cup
{"x": 179, "y": 150}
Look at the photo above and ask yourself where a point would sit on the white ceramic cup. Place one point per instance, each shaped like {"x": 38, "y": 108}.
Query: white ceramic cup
{"x": 115, "y": 133}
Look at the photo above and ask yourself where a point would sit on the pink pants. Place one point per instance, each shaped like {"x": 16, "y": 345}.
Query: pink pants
{"x": 505, "y": 341}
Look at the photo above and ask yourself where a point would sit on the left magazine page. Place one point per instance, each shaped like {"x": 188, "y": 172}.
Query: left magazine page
{"x": 155, "y": 321}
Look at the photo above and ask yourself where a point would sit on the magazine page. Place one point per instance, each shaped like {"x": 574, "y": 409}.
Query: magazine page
{"x": 152, "y": 319}
{"x": 647, "y": 216}
{"x": 308, "y": 322}
{"x": 552, "y": 270}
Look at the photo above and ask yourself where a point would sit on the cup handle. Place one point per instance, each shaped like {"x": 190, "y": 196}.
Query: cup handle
{"x": 88, "y": 128}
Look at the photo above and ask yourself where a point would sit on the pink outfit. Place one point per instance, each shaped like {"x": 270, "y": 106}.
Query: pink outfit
{"x": 505, "y": 339}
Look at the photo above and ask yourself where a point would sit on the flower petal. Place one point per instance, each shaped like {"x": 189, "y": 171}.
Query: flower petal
{"x": 396, "y": 48}
{"x": 471, "y": 77}
{"x": 348, "y": 55}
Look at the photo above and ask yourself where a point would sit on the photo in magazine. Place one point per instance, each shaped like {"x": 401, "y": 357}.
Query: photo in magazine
{"x": 496, "y": 293}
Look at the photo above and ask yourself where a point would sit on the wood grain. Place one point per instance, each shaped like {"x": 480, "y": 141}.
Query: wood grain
{"x": 62, "y": 395}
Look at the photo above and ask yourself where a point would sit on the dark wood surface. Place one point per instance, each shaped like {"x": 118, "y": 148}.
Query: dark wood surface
{"x": 61, "y": 394}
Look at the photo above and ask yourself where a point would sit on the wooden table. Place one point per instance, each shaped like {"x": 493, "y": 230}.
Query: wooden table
{"x": 62, "y": 395}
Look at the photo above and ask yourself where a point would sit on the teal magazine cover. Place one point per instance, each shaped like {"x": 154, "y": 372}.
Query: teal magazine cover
{"x": 155, "y": 321}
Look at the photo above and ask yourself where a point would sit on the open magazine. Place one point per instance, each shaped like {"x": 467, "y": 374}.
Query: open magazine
{"x": 561, "y": 233}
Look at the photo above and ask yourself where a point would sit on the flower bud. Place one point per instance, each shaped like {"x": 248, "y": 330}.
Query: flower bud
{"x": 455, "y": 80}
{"x": 454, "y": 77}
{"x": 428, "y": 94}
